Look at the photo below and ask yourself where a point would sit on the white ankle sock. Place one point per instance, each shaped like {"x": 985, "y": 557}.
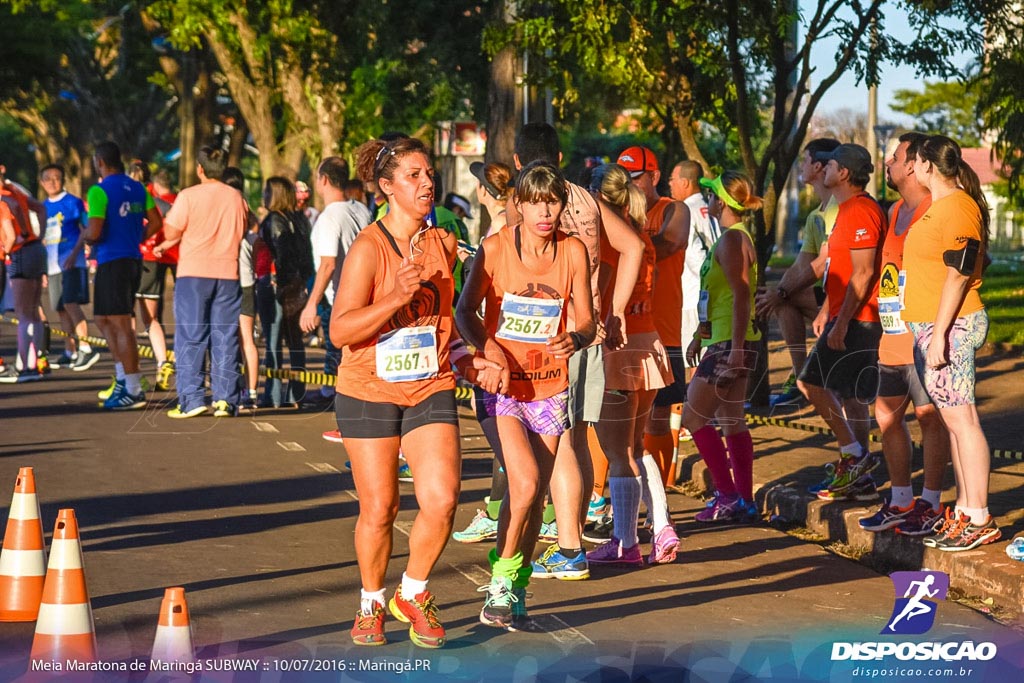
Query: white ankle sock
{"x": 933, "y": 497}
{"x": 853, "y": 449}
{"x": 412, "y": 587}
{"x": 368, "y": 598}
{"x": 902, "y": 496}
{"x": 978, "y": 515}
{"x": 119, "y": 371}
{"x": 133, "y": 383}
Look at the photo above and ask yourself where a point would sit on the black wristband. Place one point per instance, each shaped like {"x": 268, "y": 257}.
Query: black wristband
{"x": 783, "y": 294}
{"x": 577, "y": 341}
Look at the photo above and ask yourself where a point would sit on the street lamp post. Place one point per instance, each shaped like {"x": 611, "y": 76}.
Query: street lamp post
{"x": 882, "y": 134}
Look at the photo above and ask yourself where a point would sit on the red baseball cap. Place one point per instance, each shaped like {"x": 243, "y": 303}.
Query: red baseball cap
{"x": 638, "y": 160}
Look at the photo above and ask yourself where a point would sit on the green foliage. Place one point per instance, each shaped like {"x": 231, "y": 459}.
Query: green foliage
{"x": 1001, "y": 105}
{"x": 15, "y": 153}
{"x": 949, "y": 108}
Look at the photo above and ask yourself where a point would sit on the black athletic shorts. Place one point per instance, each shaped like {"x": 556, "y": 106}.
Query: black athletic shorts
{"x": 902, "y": 380}
{"x": 249, "y": 301}
{"x": 154, "y": 279}
{"x": 29, "y": 262}
{"x": 358, "y": 419}
{"x": 115, "y": 286}
{"x": 675, "y": 392}
{"x": 852, "y": 373}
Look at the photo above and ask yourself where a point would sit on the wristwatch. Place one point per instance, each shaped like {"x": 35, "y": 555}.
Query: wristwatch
{"x": 783, "y": 294}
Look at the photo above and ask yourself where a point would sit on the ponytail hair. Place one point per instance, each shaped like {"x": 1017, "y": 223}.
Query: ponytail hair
{"x": 378, "y": 159}
{"x": 947, "y": 160}
{"x": 741, "y": 189}
{"x": 614, "y": 183}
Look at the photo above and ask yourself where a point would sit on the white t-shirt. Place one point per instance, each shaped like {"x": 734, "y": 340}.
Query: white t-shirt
{"x": 703, "y": 235}
{"x": 333, "y": 233}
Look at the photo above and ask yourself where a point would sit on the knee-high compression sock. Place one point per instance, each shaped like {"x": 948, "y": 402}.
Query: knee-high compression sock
{"x": 626, "y": 500}
{"x": 46, "y": 339}
{"x": 654, "y": 493}
{"x": 712, "y": 451}
{"x": 599, "y": 460}
{"x": 741, "y": 453}
{"x": 660, "y": 446}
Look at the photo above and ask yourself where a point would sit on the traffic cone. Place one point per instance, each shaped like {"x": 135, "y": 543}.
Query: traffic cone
{"x": 65, "y": 627}
{"x": 23, "y": 558}
{"x": 173, "y": 642}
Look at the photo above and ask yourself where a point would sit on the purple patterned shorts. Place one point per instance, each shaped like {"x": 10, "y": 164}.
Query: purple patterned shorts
{"x": 953, "y": 384}
{"x": 548, "y": 416}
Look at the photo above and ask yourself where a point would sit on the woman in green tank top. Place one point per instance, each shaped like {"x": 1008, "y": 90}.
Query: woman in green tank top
{"x": 719, "y": 387}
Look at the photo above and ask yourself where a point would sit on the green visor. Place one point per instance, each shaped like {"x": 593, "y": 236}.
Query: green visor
{"x": 716, "y": 186}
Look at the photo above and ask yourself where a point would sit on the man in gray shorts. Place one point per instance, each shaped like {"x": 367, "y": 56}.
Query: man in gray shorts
{"x": 573, "y": 476}
{"x": 898, "y": 378}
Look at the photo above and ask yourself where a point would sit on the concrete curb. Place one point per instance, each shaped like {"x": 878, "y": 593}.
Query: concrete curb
{"x": 983, "y": 573}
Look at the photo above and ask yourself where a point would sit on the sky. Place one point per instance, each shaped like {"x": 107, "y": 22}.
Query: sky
{"x": 847, "y": 94}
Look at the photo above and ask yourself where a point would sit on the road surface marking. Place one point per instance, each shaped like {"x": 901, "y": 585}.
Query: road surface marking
{"x": 324, "y": 467}
{"x": 264, "y": 427}
{"x": 476, "y": 574}
{"x": 559, "y": 630}
{"x": 293, "y": 446}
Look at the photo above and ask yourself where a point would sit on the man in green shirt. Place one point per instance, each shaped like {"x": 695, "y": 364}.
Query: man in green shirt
{"x": 795, "y": 301}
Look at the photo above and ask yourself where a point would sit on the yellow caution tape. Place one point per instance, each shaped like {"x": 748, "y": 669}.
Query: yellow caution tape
{"x": 145, "y": 351}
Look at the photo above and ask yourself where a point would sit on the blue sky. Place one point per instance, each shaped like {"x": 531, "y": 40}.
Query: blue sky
{"x": 846, "y": 94}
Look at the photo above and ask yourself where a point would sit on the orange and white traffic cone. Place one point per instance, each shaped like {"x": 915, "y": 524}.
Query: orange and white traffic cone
{"x": 64, "y": 629}
{"x": 23, "y": 558}
{"x": 173, "y": 642}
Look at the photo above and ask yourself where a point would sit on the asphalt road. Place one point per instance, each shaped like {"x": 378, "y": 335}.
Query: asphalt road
{"x": 255, "y": 516}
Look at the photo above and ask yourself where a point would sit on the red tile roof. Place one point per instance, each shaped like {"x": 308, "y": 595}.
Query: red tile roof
{"x": 987, "y": 168}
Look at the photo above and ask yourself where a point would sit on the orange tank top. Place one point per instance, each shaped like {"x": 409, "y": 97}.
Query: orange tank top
{"x": 406, "y": 361}
{"x": 640, "y": 309}
{"x": 524, "y": 308}
{"x": 667, "y": 295}
{"x": 897, "y": 344}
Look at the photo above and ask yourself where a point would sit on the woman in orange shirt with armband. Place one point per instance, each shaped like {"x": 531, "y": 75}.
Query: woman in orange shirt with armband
{"x": 943, "y": 262}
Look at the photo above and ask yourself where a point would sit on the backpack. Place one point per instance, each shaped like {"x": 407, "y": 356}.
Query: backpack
{"x": 291, "y": 247}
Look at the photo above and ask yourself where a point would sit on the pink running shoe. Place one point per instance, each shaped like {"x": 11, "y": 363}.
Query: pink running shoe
{"x": 664, "y": 547}
{"x": 721, "y": 509}
{"x": 334, "y": 436}
{"x": 612, "y": 552}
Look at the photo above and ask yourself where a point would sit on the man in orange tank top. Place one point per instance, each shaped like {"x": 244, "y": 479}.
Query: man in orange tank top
{"x": 668, "y": 225}
{"x": 898, "y": 378}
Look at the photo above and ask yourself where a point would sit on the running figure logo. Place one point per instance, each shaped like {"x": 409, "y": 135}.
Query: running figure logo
{"x": 914, "y": 612}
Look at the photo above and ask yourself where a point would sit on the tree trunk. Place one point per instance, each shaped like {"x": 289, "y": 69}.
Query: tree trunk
{"x": 684, "y": 125}
{"x": 239, "y": 134}
{"x": 252, "y": 93}
{"x": 501, "y": 108}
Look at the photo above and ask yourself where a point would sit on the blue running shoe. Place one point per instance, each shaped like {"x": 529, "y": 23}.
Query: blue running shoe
{"x": 1015, "y": 551}
{"x": 482, "y": 528}
{"x": 548, "y": 531}
{"x": 597, "y": 509}
{"x": 554, "y": 565}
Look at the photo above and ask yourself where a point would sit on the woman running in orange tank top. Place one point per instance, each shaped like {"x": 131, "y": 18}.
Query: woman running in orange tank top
{"x": 392, "y": 315}
{"x": 528, "y": 274}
